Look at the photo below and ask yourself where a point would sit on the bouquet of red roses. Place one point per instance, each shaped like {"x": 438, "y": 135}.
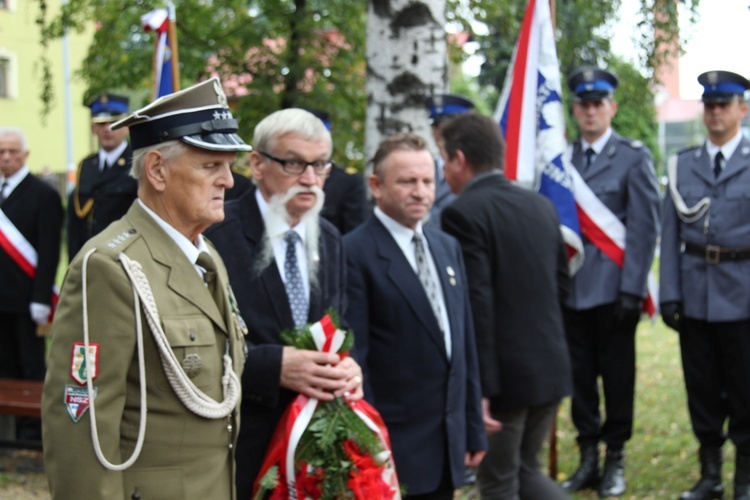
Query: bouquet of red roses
{"x": 328, "y": 450}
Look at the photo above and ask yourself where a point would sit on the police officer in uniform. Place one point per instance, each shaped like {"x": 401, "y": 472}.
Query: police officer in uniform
{"x": 442, "y": 107}
{"x": 705, "y": 280}
{"x": 104, "y": 188}
{"x": 142, "y": 393}
{"x": 602, "y": 311}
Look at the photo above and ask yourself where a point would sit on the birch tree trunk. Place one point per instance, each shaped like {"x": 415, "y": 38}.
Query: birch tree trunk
{"x": 406, "y": 61}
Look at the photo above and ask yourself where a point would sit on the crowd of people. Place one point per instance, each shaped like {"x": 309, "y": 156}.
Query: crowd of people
{"x": 166, "y": 374}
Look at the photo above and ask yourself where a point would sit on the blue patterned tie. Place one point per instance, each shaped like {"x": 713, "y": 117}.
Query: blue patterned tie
{"x": 294, "y": 288}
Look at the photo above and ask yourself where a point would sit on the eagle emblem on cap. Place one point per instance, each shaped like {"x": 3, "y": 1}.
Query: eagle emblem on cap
{"x": 438, "y": 100}
{"x": 713, "y": 77}
{"x": 103, "y": 99}
{"x": 220, "y": 96}
{"x": 588, "y": 75}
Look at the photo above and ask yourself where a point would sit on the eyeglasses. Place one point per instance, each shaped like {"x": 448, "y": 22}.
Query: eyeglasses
{"x": 297, "y": 167}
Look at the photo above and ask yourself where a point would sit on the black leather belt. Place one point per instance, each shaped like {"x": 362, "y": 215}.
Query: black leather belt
{"x": 715, "y": 254}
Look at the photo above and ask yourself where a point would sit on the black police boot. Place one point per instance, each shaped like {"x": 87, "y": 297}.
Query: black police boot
{"x": 742, "y": 477}
{"x": 709, "y": 485}
{"x": 587, "y": 475}
{"x": 613, "y": 477}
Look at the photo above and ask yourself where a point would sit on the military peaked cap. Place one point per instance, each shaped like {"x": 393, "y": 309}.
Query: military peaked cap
{"x": 198, "y": 116}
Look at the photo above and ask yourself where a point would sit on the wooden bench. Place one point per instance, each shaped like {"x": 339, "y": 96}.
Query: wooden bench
{"x": 21, "y": 398}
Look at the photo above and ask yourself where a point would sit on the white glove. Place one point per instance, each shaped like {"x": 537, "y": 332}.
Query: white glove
{"x": 39, "y": 313}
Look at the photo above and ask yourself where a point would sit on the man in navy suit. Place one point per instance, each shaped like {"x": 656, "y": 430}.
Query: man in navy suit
{"x": 414, "y": 336}
{"x": 273, "y": 241}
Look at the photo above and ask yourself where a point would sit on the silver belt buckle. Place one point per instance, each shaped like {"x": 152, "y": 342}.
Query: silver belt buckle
{"x": 713, "y": 254}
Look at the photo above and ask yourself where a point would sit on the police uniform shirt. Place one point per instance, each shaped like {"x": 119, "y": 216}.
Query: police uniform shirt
{"x": 190, "y": 249}
{"x": 727, "y": 150}
{"x": 110, "y": 157}
{"x": 597, "y": 145}
{"x": 279, "y": 244}
{"x": 403, "y": 235}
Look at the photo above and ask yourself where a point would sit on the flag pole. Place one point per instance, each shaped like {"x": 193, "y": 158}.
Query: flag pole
{"x": 173, "y": 39}
{"x": 553, "y": 431}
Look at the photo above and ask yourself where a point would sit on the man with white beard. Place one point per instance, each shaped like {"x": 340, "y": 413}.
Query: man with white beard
{"x": 286, "y": 267}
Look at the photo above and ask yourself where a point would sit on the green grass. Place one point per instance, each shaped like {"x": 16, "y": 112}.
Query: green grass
{"x": 661, "y": 457}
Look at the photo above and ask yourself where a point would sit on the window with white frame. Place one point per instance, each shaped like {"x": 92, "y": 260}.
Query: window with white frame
{"x": 8, "y": 84}
{"x": 4, "y": 77}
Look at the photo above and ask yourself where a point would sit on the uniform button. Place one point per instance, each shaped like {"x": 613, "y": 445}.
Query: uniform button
{"x": 231, "y": 446}
{"x": 192, "y": 335}
{"x": 132, "y": 231}
{"x": 229, "y": 428}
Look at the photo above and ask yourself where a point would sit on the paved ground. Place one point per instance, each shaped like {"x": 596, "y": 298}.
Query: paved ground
{"x": 22, "y": 475}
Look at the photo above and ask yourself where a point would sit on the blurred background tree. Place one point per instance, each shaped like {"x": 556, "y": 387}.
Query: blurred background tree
{"x": 311, "y": 53}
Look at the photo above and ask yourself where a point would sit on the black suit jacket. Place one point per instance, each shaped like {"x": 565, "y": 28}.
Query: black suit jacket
{"x": 35, "y": 209}
{"x": 430, "y": 404}
{"x": 346, "y": 205}
{"x": 518, "y": 275}
{"x": 110, "y": 192}
{"x": 264, "y": 306}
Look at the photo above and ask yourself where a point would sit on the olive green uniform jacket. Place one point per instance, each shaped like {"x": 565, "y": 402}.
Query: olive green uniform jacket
{"x": 184, "y": 456}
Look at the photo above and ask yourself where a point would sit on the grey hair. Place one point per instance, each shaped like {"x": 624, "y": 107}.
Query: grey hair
{"x": 6, "y": 131}
{"x": 290, "y": 121}
{"x": 168, "y": 150}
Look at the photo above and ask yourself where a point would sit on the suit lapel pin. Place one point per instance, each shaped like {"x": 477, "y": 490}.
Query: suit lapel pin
{"x": 121, "y": 162}
{"x": 745, "y": 151}
{"x": 451, "y": 275}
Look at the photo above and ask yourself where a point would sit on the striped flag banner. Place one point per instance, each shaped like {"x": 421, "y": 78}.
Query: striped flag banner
{"x": 532, "y": 118}
{"x": 166, "y": 75}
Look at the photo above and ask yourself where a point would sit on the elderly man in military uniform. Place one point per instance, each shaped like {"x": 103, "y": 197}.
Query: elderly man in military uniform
{"x": 442, "y": 107}
{"x": 602, "y": 311}
{"x": 104, "y": 188}
{"x": 142, "y": 392}
{"x": 705, "y": 280}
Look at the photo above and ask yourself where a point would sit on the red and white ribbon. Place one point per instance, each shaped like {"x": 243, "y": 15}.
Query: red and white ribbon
{"x": 22, "y": 253}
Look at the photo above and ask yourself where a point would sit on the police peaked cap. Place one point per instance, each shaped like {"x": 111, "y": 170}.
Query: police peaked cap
{"x": 592, "y": 84}
{"x": 321, "y": 115}
{"x": 442, "y": 105}
{"x": 108, "y": 107}
{"x": 722, "y": 86}
{"x": 198, "y": 116}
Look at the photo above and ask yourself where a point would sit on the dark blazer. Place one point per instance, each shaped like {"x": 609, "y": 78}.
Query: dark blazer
{"x": 35, "y": 209}
{"x": 99, "y": 198}
{"x": 518, "y": 276}
{"x": 430, "y": 404}
{"x": 346, "y": 205}
{"x": 264, "y": 306}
